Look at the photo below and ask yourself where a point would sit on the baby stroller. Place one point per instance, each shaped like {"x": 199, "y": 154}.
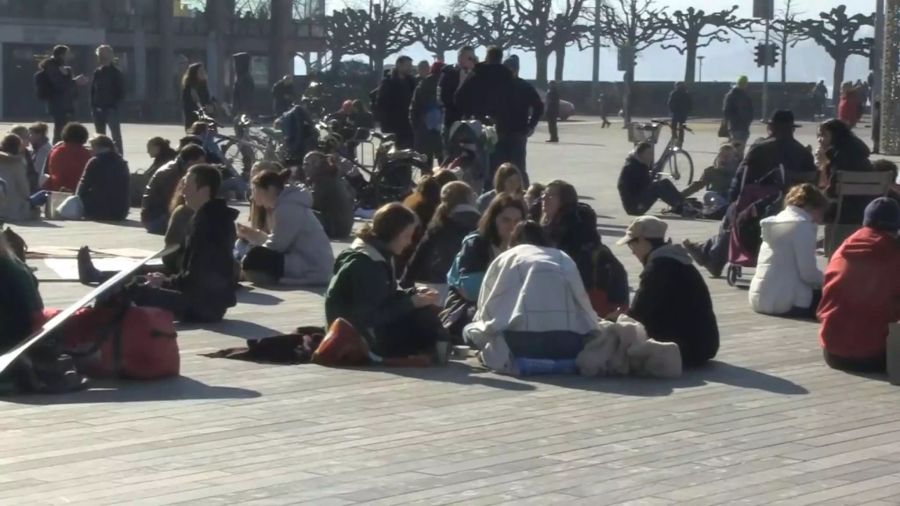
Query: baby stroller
{"x": 469, "y": 146}
{"x": 744, "y": 217}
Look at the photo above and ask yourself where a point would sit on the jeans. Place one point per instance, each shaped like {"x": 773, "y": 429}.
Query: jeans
{"x": 109, "y": 117}
{"x": 510, "y": 148}
{"x": 658, "y": 190}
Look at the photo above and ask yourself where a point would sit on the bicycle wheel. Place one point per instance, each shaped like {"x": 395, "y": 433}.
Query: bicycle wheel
{"x": 681, "y": 168}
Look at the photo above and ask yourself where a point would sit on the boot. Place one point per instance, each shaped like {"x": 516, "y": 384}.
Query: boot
{"x": 87, "y": 273}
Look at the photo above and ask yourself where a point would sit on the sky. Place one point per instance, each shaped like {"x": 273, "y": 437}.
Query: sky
{"x": 722, "y": 62}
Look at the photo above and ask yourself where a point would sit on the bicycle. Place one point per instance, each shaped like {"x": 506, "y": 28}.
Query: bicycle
{"x": 674, "y": 158}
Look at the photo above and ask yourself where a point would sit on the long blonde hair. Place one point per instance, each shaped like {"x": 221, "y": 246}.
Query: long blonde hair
{"x": 453, "y": 194}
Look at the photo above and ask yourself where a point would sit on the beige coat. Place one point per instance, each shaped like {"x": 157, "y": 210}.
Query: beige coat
{"x": 15, "y": 206}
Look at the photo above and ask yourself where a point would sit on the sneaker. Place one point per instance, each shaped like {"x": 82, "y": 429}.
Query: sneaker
{"x": 695, "y": 251}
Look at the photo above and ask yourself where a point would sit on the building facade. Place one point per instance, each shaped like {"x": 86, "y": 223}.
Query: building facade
{"x": 154, "y": 41}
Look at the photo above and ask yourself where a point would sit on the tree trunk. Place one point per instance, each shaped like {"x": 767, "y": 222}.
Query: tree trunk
{"x": 560, "y": 64}
{"x": 541, "y": 55}
{"x": 690, "y": 64}
{"x": 336, "y": 62}
{"x": 840, "y": 63}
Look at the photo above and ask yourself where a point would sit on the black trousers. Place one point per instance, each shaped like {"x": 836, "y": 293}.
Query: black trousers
{"x": 864, "y": 365}
{"x": 60, "y": 119}
{"x": 414, "y": 334}
{"x": 662, "y": 189}
{"x": 552, "y": 126}
{"x": 263, "y": 265}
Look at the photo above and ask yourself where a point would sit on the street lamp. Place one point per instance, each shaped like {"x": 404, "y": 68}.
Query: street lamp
{"x": 700, "y": 59}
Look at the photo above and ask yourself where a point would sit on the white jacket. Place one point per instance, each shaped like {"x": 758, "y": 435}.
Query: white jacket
{"x": 786, "y": 273}
{"x": 529, "y": 289}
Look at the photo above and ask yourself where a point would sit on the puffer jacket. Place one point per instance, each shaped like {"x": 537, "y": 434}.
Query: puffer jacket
{"x": 299, "y": 235}
{"x": 786, "y": 272}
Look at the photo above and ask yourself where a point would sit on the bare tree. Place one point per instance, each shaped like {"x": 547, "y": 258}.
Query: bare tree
{"x": 787, "y": 32}
{"x": 689, "y": 26}
{"x": 442, "y": 34}
{"x": 543, "y": 29}
{"x": 338, "y": 38}
{"x": 633, "y": 26}
{"x": 566, "y": 32}
{"x": 380, "y": 34}
{"x": 493, "y": 24}
{"x": 836, "y": 33}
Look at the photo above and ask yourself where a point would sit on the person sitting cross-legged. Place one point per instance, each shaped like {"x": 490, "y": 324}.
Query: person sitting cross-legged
{"x": 639, "y": 191}
{"x": 672, "y": 300}
{"x": 155, "y": 204}
{"x": 103, "y": 188}
{"x": 204, "y": 287}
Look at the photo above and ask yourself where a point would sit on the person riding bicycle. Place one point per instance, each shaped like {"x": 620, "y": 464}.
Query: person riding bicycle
{"x": 680, "y": 106}
{"x": 638, "y": 189}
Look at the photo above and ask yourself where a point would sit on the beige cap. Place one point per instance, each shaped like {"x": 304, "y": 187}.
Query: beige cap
{"x": 645, "y": 227}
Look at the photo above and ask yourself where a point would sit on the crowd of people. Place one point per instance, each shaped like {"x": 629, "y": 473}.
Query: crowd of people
{"x": 515, "y": 269}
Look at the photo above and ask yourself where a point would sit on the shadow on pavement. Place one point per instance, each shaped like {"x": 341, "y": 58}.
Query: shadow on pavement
{"x": 234, "y": 328}
{"x": 181, "y": 388}
{"x": 460, "y": 373}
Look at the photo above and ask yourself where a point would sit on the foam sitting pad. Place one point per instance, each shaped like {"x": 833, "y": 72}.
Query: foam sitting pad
{"x": 342, "y": 346}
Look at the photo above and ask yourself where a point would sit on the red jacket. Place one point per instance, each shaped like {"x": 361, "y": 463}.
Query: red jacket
{"x": 850, "y": 108}
{"x": 65, "y": 166}
{"x": 861, "y": 295}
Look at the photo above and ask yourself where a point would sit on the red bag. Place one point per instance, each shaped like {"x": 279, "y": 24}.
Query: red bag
{"x": 342, "y": 346}
{"x": 135, "y": 343}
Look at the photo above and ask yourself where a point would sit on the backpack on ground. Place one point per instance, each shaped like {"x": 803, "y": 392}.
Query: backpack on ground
{"x": 43, "y": 87}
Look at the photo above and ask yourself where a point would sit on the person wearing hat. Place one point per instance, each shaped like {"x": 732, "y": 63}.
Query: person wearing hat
{"x": 426, "y": 116}
{"x": 861, "y": 293}
{"x": 672, "y": 300}
{"x": 738, "y": 111}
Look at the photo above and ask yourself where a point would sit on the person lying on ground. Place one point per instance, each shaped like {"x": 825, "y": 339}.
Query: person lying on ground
{"x": 455, "y": 218}
{"x": 364, "y": 290}
{"x": 297, "y": 251}
{"x": 161, "y": 188}
{"x": 861, "y": 293}
{"x": 204, "y": 287}
{"x": 103, "y": 188}
{"x": 508, "y": 179}
{"x": 672, "y": 300}
{"x": 67, "y": 159}
{"x": 787, "y": 280}
{"x": 478, "y": 250}
{"x": 639, "y": 191}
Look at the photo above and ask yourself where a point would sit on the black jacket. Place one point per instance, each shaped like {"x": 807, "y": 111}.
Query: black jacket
{"x": 64, "y": 88}
{"x": 394, "y": 98}
{"x": 438, "y": 248}
{"x": 104, "y": 188}
{"x": 763, "y": 159}
{"x": 552, "y": 105}
{"x": 242, "y": 95}
{"x": 527, "y": 110}
{"x": 107, "y": 88}
{"x": 853, "y": 156}
{"x": 190, "y": 96}
{"x": 158, "y": 194}
{"x": 489, "y": 92}
{"x": 282, "y": 96}
{"x": 633, "y": 180}
{"x": 166, "y": 155}
{"x": 447, "y": 86}
{"x": 207, "y": 274}
{"x": 738, "y": 109}
{"x": 424, "y": 98}
{"x": 680, "y": 105}
{"x": 674, "y": 305}
{"x": 575, "y": 233}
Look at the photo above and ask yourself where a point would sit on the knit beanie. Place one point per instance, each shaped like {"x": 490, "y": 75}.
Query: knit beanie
{"x": 883, "y": 214}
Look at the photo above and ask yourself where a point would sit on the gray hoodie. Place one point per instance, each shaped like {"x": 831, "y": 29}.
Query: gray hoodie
{"x": 296, "y": 232}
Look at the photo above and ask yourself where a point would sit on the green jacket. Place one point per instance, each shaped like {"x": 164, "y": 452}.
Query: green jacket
{"x": 20, "y": 302}
{"x": 364, "y": 291}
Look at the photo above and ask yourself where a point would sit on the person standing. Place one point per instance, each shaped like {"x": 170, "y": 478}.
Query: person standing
{"x": 850, "y": 107}
{"x": 283, "y": 95}
{"x": 451, "y": 79}
{"x": 56, "y": 85}
{"x": 820, "y": 96}
{"x": 738, "y": 112}
{"x": 107, "y": 92}
{"x": 601, "y": 106}
{"x": 680, "y": 106}
{"x": 423, "y": 70}
{"x": 243, "y": 89}
{"x": 393, "y": 100}
{"x": 552, "y": 111}
{"x": 194, "y": 93}
{"x": 426, "y": 117}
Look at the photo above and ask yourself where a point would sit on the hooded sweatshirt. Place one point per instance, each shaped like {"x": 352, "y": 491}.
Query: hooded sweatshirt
{"x": 861, "y": 295}
{"x": 436, "y": 251}
{"x": 674, "y": 305}
{"x": 299, "y": 235}
{"x": 14, "y": 171}
{"x": 786, "y": 272}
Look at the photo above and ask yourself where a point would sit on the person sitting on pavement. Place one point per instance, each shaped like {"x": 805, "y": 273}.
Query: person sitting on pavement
{"x": 534, "y": 201}
{"x": 68, "y": 159}
{"x": 639, "y": 191}
{"x": 716, "y": 180}
{"x": 840, "y": 150}
{"x": 495, "y": 229}
{"x": 40, "y": 150}
{"x": 297, "y": 251}
{"x": 161, "y": 188}
{"x": 424, "y": 201}
{"x": 672, "y": 300}
{"x": 180, "y": 217}
{"x": 20, "y": 301}
{"x": 861, "y": 293}
{"x": 104, "y": 185}
{"x": 15, "y": 205}
{"x": 884, "y": 165}
{"x": 532, "y": 305}
{"x": 204, "y": 287}
{"x": 787, "y": 280}
{"x": 455, "y": 218}
{"x": 333, "y": 197}
{"x": 161, "y": 152}
{"x": 21, "y": 131}
{"x": 508, "y": 179}
{"x": 364, "y": 290}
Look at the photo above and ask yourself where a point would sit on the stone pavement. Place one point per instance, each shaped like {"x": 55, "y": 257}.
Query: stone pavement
{"x": 767, "y": 423}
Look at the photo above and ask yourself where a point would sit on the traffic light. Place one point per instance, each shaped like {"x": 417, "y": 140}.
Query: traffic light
{"x": 760, "y": 52}
{"x": 774, "y": 51}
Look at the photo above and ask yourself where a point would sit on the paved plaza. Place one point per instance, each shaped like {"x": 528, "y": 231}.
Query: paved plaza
{"x": 766, "y": 423}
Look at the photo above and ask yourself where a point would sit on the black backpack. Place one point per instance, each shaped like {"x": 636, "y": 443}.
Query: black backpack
{"x": 43, "y": 88}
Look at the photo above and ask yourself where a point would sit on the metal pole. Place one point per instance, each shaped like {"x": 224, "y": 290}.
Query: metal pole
{"x": 890, "y": 98}
{"x": 878, "y": 52}
{"x": 700, "y": 59}
{"x": 765, "y": 90}
{"x": 595, "y": 74}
